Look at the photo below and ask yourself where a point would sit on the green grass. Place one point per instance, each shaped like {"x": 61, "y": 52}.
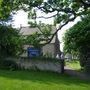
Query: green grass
{"x": 75, "y": 65}
{"x": 37, "y": 80}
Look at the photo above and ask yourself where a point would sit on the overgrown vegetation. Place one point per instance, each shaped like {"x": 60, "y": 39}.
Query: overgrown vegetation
{"x": 77, "y": 41}
{"x": 10, "y": 41}
{"x": 11, "y": 45}
{"x": 41, "y": 36}
{"x": 8, "y": 65}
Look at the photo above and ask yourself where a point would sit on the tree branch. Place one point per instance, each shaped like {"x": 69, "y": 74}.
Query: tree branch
{"x": 60, "y": 27}
{"x": 66, "y": 10}
{"x": 85, "y": 4}
{"x": 47, "y": 17}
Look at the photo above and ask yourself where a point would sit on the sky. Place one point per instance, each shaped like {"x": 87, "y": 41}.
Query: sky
{"x": 63, "y": 30}
{"x": 21, "y": 19}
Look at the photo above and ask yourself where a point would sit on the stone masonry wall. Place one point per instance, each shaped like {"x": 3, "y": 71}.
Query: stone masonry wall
{"x": 43, "y": 65}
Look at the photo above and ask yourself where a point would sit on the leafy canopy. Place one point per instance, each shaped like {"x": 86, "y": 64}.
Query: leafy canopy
{"x": 77, "y": 38}
{"x": 63, "y": 11}
{"x": 10, "y": 41}
{"x": 40, "y": 37}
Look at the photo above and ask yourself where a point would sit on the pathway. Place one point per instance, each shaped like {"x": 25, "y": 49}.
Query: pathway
{"x": 75, "y": 73}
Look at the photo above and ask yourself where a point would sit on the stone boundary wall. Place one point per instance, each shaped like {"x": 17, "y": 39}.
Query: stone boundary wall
{"x": 42, "y": 65}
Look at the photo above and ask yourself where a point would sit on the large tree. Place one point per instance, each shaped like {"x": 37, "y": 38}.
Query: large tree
{"x": 10, "y": 41}
{"x": 77, "y": 40}
{"x": 63, "y": 11}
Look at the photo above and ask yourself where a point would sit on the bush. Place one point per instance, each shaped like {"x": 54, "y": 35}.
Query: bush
{"x": 11, "y": 41}
{"x": 8, "y": 65}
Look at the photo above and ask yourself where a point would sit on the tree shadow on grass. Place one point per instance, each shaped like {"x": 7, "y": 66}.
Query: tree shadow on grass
{"x": 49, "y": 78}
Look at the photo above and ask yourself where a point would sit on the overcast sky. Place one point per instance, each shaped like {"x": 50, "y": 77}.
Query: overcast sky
{"x": 21, "y": 18}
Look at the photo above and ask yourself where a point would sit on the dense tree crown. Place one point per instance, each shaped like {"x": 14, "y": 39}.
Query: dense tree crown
{"x": 77, "y": 38}
{"x": 77, "y": 41}
{"x": 10, "y": 41}
{"x": 63, "y": 11}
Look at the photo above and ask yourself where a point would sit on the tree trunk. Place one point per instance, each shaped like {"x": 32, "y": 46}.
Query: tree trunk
{"x": 85, "y": 60}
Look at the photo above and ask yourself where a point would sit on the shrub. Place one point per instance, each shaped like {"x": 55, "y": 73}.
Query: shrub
{"x": 8, "y": 65}
{"x": 11, "y": 41}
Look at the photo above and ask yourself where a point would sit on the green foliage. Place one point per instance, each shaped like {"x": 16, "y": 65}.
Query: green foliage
{"x": 32, "y": 24}
{"x": 8, "y": 65}
{"x": 77, "y": 41}
{"x": 10, "y": 41}
{"x": 33, "y": 40}
{"x": 45, "y": 30}
{"x": 41, "y": 36}
{"x": 63, "y": 12}
{"x": 77, "y": 38}
{"x": 64, "y": 9}
{"x": 5, "y": 9}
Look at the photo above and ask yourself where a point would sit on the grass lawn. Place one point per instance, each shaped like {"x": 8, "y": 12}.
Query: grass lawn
{"x": 75, "y": 65}
{"x": 36, "y": 80}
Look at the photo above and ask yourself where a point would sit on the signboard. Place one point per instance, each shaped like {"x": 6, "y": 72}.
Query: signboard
{"x": 33, "y": 52}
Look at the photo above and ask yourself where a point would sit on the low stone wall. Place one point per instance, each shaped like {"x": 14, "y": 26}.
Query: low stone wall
{"x": 43, "y": 65}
